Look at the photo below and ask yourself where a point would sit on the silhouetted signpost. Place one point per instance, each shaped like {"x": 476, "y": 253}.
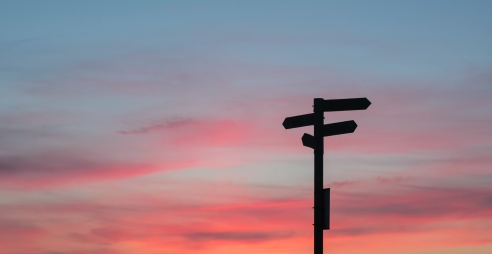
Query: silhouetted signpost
{"x": 322, "y": 196}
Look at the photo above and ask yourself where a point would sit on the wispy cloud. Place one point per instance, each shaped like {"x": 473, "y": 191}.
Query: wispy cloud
{"x": 390, "y": 206}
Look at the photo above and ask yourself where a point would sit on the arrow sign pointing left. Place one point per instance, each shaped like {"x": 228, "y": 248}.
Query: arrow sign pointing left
{"x": 298, "y": 121}
{"x": 308, "y": 140}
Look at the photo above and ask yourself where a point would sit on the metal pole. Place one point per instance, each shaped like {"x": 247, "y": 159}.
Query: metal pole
{"x": 318, "y": 175}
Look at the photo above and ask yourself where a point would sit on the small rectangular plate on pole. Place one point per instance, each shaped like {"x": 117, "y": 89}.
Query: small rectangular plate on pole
{"x": 346, "y": 104}
{"x": 339, "y": 128}
{"x": 326, "y": 203}
{"x": 298, "y": 121}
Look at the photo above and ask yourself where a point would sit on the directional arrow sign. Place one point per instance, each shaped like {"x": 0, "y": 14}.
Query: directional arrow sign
{"x": 308, "y": 140}
{"x": 331, "y": 129}
{"x": 298, "y": 121}
{"x": 339, "y": 128}
{"x": 346, "y": 104}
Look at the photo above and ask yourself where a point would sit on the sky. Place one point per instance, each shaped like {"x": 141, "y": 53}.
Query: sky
{"x": 156, "y": 126}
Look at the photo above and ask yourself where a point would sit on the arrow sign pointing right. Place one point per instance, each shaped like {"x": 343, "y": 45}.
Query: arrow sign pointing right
{"x": 346, "y": 104}
{"x": 331, "y": 129}
{"x": 339, "y": 128}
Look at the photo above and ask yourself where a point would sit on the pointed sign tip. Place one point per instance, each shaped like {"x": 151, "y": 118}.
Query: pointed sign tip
{"x": 298, "y": 121}
{"x": 368, "y": 102}
{"x": 283, "y": 124}
{"x": 308, "y": 140}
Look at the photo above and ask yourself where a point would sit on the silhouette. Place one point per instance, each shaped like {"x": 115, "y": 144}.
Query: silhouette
{"x": 316, "y": 142}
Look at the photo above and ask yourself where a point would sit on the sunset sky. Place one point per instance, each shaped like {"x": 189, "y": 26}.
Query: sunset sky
{"x": 155, "y": 127}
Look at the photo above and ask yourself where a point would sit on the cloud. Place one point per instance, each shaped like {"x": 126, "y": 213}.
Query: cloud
{"x": 234, "y": 236}
{"x": 54, "y": 169}
{"x": 151, "y": 218}
{"x": 15, "y": 233}
{"x": 190, "y": 132}
{"x": 408, "y": 207}
{"x": 166, "y": 124}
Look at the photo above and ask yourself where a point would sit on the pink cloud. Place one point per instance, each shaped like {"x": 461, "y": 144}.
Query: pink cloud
{"x": 392, "y": 207}
{"x": 16, "y": 233}
{"x": 51, "y": 170}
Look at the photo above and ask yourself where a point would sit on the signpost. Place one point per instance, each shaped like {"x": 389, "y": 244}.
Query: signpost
{"x": 322, "y": 196}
